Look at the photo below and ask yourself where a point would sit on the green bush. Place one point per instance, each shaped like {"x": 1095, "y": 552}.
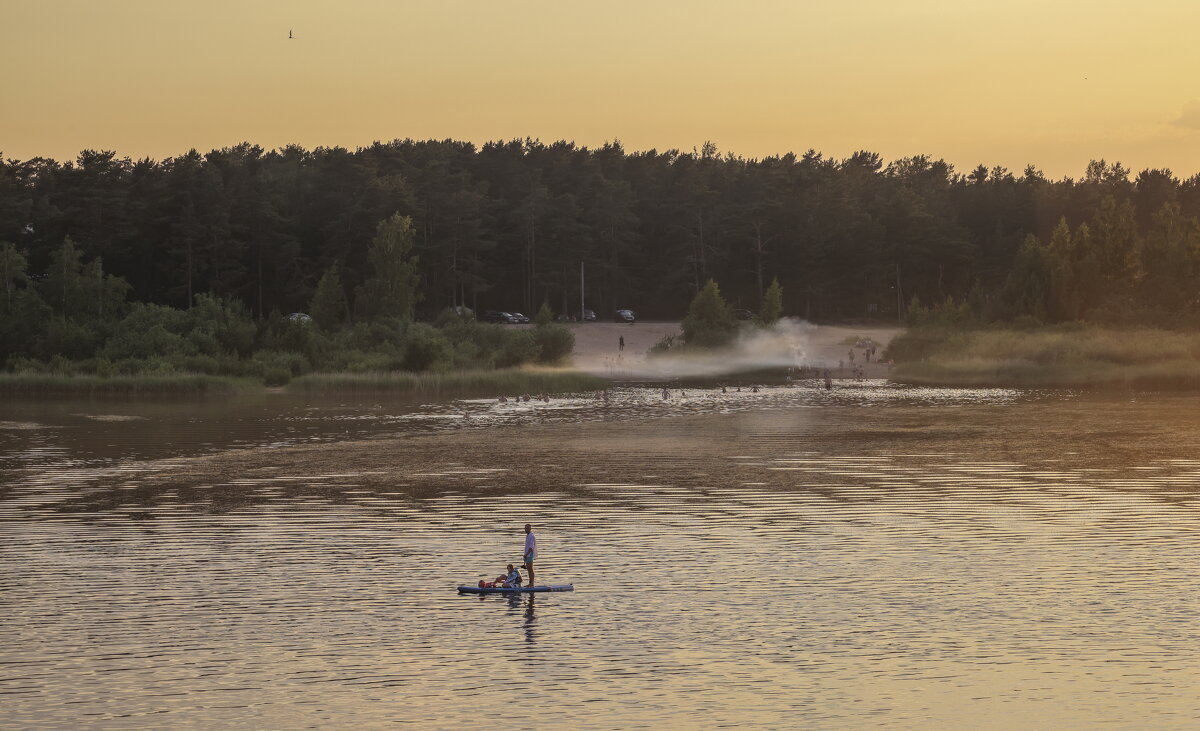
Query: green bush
{"x": 294, "y": 336}
{"x": 385, "y": 336}
{"x": 554, "y": 342}
{"x": 709, "y": 322}
{"x": 425, "y": 349}
{"x": 362, "y": 362}
{"x": 59, "y": 366}
{"x": 294, "y": 363}
{"x": 518, "y": 348}
{"x": 149, "y": 331}
{"x": 482, "y": 346}
{"x": 21, "y": 364}
{"x": 772, "y": 304}
{"x": 220, "y": 326}
{"x": 68, "y": 339}
{"x": 198, "y": 363}
{"x": 276, "y": 376}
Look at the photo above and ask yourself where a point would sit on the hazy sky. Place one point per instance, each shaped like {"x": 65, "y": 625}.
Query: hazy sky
{"x": 1004, "y": 82}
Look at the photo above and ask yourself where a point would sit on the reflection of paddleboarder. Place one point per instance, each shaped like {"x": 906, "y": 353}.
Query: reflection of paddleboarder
{"x": 530, "y": 551}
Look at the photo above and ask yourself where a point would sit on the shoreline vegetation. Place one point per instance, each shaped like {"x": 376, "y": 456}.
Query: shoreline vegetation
{"x": 197, "y": 384}
{"x": 1065, "y": 356}
{"x": 73, "y": 330}
{"x": 507, "y": 381}
{"x": 244, "y": 263}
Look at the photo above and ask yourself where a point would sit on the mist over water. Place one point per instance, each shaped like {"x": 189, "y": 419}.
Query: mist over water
{"x": 786, "y": 344}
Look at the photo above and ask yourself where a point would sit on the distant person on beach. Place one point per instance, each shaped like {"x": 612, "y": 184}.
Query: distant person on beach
{"x": 852, "y": 356}
{"x": 828, "y": 381}
{"x": 530, "y": 551}
{"x": 621, "y": 343}
{"x": 666, "y": 394}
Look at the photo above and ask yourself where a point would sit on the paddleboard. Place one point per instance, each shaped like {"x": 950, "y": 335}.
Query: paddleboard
{"x": 515, "y": 590}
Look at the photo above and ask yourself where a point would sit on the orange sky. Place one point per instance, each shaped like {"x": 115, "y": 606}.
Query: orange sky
{"x": 1003, "y": 82}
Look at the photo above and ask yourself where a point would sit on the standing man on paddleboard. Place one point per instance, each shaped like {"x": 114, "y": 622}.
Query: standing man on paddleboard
{"x": 530, "y": 551}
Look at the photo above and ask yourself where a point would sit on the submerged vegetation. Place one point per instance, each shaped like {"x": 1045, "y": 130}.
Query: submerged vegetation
{"x": 1069, "y": 356}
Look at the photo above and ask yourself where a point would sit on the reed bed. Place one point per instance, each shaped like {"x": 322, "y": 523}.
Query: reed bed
{"x": 491, "y": 382}
{"x": 34, "y": 384}
{"x": 1052, "y": 357}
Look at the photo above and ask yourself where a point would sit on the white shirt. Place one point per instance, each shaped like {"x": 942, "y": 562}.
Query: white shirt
{"x": 530, "y": 547}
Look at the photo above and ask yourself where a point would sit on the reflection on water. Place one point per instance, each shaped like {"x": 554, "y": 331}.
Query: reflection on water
{"x": 874, "y": 556}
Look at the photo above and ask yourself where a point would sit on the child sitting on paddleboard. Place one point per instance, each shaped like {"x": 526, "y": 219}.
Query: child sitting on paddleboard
{"x": 511, "y": 580}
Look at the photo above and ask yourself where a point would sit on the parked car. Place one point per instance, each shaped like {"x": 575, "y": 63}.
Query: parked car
{"x": 298, "y": 317}
{"x": 743, "y": 314}
{"x": 588, "y": 316}
{"x": 624, "y": 316}
{"x": 520, "y": 318}
{"x": 503, "y": 318}
{"x": 564, "y": 318}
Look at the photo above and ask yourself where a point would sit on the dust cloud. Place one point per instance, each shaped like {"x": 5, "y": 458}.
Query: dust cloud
{"x": 787, "y": 343}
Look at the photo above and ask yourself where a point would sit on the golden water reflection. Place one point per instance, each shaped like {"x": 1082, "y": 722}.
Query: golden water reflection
{"x": 989, "y": 560}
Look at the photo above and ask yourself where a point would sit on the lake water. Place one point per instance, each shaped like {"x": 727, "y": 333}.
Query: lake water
{"x": 875, "y": 556}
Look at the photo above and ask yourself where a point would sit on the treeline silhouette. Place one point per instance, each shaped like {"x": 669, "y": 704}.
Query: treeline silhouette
{"x": 507, "y": 225}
